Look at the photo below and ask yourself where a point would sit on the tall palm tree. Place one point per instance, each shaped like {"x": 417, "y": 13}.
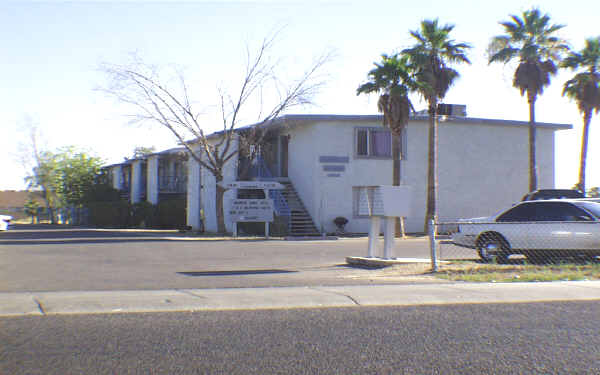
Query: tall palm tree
{"x": 432, "y": 55}
{"x": 532, "y": 41}
{"x": 584, "y": 89}
{"x": 392, "y": 79}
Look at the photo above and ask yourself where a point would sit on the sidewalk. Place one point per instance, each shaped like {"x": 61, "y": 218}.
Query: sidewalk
{"x": 102, "y": 302}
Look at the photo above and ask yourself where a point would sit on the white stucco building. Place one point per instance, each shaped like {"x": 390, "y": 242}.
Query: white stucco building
{"x": 323, "y": 160}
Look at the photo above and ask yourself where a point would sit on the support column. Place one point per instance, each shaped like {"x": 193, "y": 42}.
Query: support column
{"x": 390, "y": 234}
{"x": 373, "y": 236}
{"x": 152, "y": 179}
{"x": 194, "y": 186}
{"x": 136, "y": 181}
{"x": 117, "y": 177}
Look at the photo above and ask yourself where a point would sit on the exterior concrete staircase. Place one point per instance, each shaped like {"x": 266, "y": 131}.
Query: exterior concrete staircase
{"x": 301, "y": 224}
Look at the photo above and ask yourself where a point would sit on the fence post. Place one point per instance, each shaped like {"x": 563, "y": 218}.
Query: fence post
{"x": 433, "y": 246}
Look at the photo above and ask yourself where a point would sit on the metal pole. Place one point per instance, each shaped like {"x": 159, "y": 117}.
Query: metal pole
{"x": 373, "y": 236}
{"x": 266, "y": 230}
{"x": 390, "y": 234}
{"x": 433, "y": 245}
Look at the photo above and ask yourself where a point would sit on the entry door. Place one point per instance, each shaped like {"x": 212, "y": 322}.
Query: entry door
{"x": 284, "y": 141}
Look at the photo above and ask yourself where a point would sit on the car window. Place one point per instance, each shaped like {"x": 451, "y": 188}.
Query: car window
{"x": 560, "y": 211}
{"x": 522, "y": 212}
{"x": 592, "y": 207}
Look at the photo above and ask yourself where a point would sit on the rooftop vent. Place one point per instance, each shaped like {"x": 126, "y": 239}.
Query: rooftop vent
{"x": 456, "y": 110}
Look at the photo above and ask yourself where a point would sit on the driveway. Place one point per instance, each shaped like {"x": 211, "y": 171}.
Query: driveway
{"x": 38, "y": 258}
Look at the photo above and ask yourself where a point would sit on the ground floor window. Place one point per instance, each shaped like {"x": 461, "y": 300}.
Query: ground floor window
{"x": 361, "y": 195}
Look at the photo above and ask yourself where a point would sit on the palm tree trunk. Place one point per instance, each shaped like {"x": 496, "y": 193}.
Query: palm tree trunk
{"x": 532, "y": 140}
{"x": 587, "y": 117}
{"x": 396, "y": 152}
{"x": 432, "y": 182}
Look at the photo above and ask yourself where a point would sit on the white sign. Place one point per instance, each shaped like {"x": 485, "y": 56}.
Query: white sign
{"x": 251, "y": 185}
{"x": 385, "y": 201}
{"x": 251, "y": 210}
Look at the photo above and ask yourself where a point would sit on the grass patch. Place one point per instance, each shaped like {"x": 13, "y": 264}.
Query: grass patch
{"x": 475, "y": 272}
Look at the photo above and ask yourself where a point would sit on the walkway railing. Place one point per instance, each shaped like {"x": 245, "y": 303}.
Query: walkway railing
{"x": 172, "y": 184}
{"x": 260, "y": 170}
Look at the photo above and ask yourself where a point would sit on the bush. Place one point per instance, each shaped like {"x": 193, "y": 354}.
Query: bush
{"x": 171, "y": 214}
{"x": 143, "y": 214}
{"x": 167, "y": 214}
{"x": 115, "y": 214}
{"x": 102, "y": 193}
{"x": 340, "y": 222}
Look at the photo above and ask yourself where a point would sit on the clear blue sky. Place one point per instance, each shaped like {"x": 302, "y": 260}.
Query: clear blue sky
{"x": 51, "y": 52}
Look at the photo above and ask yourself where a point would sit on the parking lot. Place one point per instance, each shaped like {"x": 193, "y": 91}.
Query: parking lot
{"x": 38, "y": 258}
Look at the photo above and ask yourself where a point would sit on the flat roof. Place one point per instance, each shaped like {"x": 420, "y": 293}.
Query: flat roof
{"x": 443, "y": 119}
{"x": 293, "y": 119}
{"x": 297, "y": 119}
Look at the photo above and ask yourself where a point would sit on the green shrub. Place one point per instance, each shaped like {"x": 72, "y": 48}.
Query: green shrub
{"x": 143, "y": 214}
{"x": 102, "y": 193}
{"x": 115, "y": 214}
{"x": 171, "y": 214}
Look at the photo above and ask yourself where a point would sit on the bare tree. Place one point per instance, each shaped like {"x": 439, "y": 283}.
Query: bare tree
{"x": 34, "y": 159}
{"x": 144, "y": 87}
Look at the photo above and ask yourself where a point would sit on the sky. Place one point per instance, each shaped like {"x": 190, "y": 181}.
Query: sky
{"x": 51, "y": 54}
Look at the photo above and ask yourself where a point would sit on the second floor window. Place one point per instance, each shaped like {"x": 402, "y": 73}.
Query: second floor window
{"x": 373, "y": 142}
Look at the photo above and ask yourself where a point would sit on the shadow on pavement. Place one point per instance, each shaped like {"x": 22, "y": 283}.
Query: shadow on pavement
{"x": 84, "y": 241}
{"x": 234, "y": 272}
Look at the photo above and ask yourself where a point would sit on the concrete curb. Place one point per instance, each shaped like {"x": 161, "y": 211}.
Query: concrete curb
{"x": 106, "y": 302}
{"x": 382, "y": 262}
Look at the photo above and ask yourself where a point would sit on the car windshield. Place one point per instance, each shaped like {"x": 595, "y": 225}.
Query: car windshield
{"x": 591, "y": 207}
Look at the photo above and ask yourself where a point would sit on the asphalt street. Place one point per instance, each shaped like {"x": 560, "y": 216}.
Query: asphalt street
{"x": 535, "y": 338}
{"x": 50, "y": 259}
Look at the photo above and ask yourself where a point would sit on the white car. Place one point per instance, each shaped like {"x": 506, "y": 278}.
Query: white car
{"x": 566, "y": 227}
{"x": 5, "y": 222}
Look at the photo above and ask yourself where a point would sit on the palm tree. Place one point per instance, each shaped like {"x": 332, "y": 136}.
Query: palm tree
{"x": 431, "y": 56}
{"x": 392, "y": 80}
{"x": 584, "y": 89}
{"x": 532, "y": 41}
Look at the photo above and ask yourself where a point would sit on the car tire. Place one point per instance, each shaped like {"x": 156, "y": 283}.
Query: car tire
{"x": 492, "y": 248}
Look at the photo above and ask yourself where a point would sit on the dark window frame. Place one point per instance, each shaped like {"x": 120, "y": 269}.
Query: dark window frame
{"x": 369, "y": 154}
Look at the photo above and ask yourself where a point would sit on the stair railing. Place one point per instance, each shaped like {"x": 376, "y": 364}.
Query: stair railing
{"x": 279, "y": 201}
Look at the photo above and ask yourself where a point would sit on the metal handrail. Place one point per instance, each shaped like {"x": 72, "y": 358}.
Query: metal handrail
{"x": 279, "y": 201}
{"x": 177, "y": 184}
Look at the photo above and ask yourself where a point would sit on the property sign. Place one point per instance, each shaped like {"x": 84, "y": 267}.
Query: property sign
{"x": 385, "y": 201}
{"x": 251, "y": 185}
{"x": 251, "y": 210}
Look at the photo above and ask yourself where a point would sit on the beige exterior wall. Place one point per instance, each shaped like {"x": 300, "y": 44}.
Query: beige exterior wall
{"x": 482, "y": 168}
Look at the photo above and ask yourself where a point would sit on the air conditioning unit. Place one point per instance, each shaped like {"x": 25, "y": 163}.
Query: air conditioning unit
{"x": 455, "y": 110}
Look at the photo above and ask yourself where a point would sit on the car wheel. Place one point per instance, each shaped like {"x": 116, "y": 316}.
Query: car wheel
{"x": 493, "y": 248}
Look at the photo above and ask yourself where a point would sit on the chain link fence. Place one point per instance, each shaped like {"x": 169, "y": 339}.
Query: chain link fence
{"x": 510, "y": 242}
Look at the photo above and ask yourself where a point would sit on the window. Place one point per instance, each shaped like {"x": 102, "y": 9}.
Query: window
{"x": 373, "y": 142}
{"x": 558, "y": 211}
{"x": 361, "y": 193}
{"x": 544, "y": 211}
{"x": 522, "y": 212}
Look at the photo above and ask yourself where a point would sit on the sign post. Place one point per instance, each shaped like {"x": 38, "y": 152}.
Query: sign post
{"x": 388, "y": 202}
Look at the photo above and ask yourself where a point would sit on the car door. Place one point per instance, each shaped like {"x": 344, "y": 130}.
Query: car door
{"x": 516, "y": 225}
{"x": 555, "y": 226}
{"x": 586, "y": 227}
